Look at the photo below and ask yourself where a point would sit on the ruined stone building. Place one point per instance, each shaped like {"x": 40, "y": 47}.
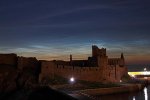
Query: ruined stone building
{"x": 18, "y": 72}
{"x": 98, "y": 68}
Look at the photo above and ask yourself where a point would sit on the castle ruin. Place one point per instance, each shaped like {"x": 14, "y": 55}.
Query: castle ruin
{"x": 98, "y": 68}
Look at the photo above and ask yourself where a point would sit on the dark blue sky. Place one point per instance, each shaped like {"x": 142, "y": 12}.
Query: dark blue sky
{"x": 53, "y": 29}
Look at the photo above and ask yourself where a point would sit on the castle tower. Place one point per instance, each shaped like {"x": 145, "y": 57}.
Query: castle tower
{"x": 70, "y": 58}
{"x": 102, "y": 61}
{"x": 100, "y": 56}
{"x": 102, "y": 52}
{"x": 98, "y": 52}
{"x": 122, "y": 61}
{"x": 94, "y": 51}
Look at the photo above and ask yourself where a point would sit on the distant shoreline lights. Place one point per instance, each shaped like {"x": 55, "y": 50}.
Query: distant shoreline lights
{"x": 139, "y": 73}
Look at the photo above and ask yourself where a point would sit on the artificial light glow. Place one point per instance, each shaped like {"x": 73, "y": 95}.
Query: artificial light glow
{"x": 145, "y": 77}
{"x": 120, "y": 80}
{"x": 145, "y": 69}
{"x": 145, "y": 93}
{"x": 134, "y": 98}
{"x": 133, "y": 76}
{"x": 71, "y": 79}
{"x": 139, "y": 73}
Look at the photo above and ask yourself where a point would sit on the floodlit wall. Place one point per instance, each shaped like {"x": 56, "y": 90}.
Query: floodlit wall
{"x": 110, "y": 74}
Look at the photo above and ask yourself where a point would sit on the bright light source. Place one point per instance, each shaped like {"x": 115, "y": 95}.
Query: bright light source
{"x": 145, "y": 69}
{"x": 120, "y": 80}
{"x": 139, "y": 73}
{"x": 133, "y": 76}
{"x": 71, "y": 79}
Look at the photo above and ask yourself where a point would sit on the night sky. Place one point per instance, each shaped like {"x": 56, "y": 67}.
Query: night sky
{"x": 54, "y": 29}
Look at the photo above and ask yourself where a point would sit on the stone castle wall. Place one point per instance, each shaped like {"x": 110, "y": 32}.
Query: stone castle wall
{"x": 8, "y": 59}
{"x": 111, "y": 74}
{"x": 24, "y": 63}
{"x": 14, "y": 75}
{"x": 18, "y": 62}
{"x": 106, "y": 70}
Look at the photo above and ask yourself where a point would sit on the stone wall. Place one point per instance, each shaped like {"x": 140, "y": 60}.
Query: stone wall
{"x": 24, "y": 62}
{"x": 98, "y": 74}
{"x": 8, "y": 59}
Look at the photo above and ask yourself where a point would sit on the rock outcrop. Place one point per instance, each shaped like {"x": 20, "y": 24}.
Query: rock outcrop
{"x": 17, "y": 73}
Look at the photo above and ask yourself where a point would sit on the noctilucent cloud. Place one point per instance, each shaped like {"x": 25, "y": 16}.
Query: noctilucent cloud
{"x": 54, "y": 29}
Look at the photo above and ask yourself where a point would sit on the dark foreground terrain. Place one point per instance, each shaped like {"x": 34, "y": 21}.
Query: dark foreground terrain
{"x": 39, "y": 93}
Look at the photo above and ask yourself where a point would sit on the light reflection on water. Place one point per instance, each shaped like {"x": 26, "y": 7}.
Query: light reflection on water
{"x": 141, "y": 95}
{"x": 145, "y": 93}
{"x": 134, "y": 98}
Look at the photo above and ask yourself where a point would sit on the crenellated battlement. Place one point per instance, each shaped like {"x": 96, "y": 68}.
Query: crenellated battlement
{"x": 98, "y": 52}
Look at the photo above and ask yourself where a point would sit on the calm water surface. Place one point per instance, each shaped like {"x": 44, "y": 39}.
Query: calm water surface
{"x": 141, "y": 95}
